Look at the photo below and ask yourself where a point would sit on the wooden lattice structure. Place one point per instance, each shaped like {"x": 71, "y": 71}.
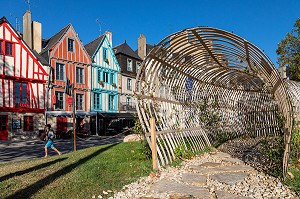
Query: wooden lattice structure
{"x": 203, "y": 84}
{"x": 294, "y": 93}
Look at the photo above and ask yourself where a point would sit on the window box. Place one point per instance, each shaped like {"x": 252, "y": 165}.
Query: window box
{"x": 106, "y": 61}
{"x": 101, "y": 83}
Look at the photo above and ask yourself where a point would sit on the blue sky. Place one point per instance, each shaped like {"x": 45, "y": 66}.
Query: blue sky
{"x": 262, "y": 22}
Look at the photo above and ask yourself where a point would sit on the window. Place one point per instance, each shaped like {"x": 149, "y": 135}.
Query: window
{"x": 128, "y": 101}
{"x": 70, "y": 45}
{"x": 99, "y": 75}
{"x": 104, "y": 53}
{"x": 138, "y": 64}
{"x": 79, "y": 101}
{"x": 79, "y": 75}
{"x": 59, "y": 100}
{"x": 97, "y": 101}
{"x": 129, "y": 65}
{"x": 28, "y": 123}
{"x": 137, "y": 86}
{"x": 6, "y": 48}
{"x": 1, "y": 51}
{"x": 21, "y": 95}
{"x": 105, "y": 77}
{"x": 111, "y": 102}
{"x": 60, "y": 71}
{"x": 112, "y": 76}
{"x": 129, "y": 84}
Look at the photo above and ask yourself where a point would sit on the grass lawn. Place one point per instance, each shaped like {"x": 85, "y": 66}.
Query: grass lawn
{"x": 82, "y": 174}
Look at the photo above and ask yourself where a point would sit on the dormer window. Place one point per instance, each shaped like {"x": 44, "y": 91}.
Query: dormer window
{"x": 70, "y": 45}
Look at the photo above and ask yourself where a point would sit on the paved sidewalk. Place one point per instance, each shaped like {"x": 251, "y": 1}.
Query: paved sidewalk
{"x": 20, "y": 150}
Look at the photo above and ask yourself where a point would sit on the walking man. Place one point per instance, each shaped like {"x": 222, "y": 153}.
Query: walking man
{"x": 49, "y": 139}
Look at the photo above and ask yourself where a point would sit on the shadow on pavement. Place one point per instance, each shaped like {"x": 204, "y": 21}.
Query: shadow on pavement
{"x": 18, "y": 173}
{"x": 34, "y": 188}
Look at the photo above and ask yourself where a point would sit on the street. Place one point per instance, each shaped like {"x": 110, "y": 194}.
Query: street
{"x": 15, "y": 151}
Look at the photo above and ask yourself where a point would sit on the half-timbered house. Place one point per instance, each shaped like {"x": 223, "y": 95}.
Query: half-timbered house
{"x": 104, "y": 81}
{"x": 69, "y": 60}
{"x": 23, "y": 75}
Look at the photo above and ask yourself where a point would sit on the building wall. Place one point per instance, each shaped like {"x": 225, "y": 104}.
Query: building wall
{"x": 20, "y": 67}
{"x": 71, "y": 60}
{"x": 99, "y": 67}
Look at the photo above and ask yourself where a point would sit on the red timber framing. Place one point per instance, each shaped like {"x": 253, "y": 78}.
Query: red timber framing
{"x": 65, "y": 55}
{"x": 22, "y": 76}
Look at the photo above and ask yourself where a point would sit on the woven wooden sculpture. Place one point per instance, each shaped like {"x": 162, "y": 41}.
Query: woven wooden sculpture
{"x": 204, "y": 84}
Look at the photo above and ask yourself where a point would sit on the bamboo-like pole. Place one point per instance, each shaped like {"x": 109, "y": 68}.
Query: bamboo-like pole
{"x": 153, "y": 144}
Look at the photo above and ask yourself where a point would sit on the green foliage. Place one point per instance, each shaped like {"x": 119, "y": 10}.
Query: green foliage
{"x": 273, "y": 149}
{"x": 137, "y": 126}
{"x": 208, "y": 115}
{"x": 295, "y": 146}
{"x": 294, "y": 184}
{"x": 281, "y": 120}
{"x": 181, "y": 153}
{"x": 289, "y": 52}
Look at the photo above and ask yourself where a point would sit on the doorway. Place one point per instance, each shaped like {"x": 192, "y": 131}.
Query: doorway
{"x": 3, "y": 127}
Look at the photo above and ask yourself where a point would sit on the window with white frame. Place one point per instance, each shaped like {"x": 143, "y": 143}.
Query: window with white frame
{"x": 129, "y": 64}
{"x": 104, "y": 53}
{"x": 60, "y": 71}
{"x": 59, "y": 104}
{"x": 97, "y": 101}
{"x": 79, "y": 75}
{"x": 112, "y": 78}
{"x": 111, "y": 102}
{"x": 129, "y": 84}
{"x": 70, "y": 45}
{"x": 105, "y": 77}
{"x": 138, "y": 65}
{"x": 99, "y": 75}
{"x": 79, "y": 102}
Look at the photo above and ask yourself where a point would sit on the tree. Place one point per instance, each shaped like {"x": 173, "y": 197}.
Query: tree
{"x": 289, "y": 52}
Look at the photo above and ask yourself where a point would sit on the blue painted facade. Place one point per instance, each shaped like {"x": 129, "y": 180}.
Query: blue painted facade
{"x": 104, "y": 75}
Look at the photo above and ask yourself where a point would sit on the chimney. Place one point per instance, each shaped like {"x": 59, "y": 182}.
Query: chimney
{"x": 27, "y": 32}
{"x": 37, "y": 36}
{"x": 282, "y": 71}
{"x": 142, "y": 46}
{"x": 109, "y": 36}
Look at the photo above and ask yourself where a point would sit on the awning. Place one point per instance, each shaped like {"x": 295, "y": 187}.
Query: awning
{"x": 118, "y": 115}
{"x": 79, "y": 114}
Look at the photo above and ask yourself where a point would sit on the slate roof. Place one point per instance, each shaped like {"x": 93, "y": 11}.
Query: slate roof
{"x": 93, "y": 45}
{"x": 40, "y": 58}
{"x": 53, "y": 40}
{"x": 125, "y": 49}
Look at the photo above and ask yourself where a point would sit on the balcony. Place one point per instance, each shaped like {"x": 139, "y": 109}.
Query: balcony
{"x": 127, "y": 106}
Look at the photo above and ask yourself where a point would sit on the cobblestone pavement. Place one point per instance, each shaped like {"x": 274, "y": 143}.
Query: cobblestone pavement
{"x": 20, "y": 150}
{"x": 213, "y": 175}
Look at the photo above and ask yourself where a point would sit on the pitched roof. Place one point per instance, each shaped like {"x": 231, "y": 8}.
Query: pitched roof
{"x": 40, "y": 58}
{"x": 93, "y": 45}
{"x": 53, "y": 40}
{"x": 125, "y": 49}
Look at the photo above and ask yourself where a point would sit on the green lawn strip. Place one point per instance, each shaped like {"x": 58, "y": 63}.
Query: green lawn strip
{"x": 82, "y": 174}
